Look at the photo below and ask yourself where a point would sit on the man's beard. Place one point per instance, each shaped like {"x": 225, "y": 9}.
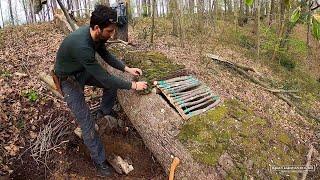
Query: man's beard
{"x": 102, "y": 39}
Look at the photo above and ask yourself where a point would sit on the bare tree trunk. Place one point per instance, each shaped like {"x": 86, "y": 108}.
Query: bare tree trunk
{"x": 1, "y": 15}
{"x": 173, "y": 15}
{"x": 11, "y": 12}
{"x": 236, "y": 15}
{"x": 152, "y": 25}
{"x": 144, "y": 8}
{"x": 191, "y": 6}
{"x": 180, "y": 10}
{"x": 225, "y": 9}
{"x": 66, "y": 15}
{"x": 162, "y": 8}
{"x": 122, "y": 32}
{"x": 257, "y": 3}
{"x": 308, "y": 23}
{"x": 85, "y": 6}
{"x": 32, "y": 15}
{"x": 148, "y": 8}
{"x": 138, "y": 7}
{"x": 48, "y": 12}
{"x": 156, "y": 8}
{"x": 229, "y": 2}
{"x": 25, "y": 10}
{"x": 282, "y": 14}
{"x": 200, "y": 14}
{"x": 272, "y": 11}
{"x": 267, "y": 9}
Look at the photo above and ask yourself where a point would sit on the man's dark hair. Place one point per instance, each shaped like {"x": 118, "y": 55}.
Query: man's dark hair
{"x": 103, "y": 16}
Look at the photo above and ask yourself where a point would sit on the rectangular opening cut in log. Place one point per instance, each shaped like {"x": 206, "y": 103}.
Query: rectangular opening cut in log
{"x": 188, "y": 95}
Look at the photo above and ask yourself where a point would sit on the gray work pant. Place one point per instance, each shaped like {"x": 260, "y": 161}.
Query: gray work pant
{"x": 74, "y": 96}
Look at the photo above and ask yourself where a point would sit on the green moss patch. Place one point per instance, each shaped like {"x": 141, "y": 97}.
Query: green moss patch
{"x": 155, "y": 65}
{"x": 233, "y": 128}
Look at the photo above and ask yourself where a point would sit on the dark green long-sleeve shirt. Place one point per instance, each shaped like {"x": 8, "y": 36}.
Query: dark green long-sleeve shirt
{"x": 76, "y": 55}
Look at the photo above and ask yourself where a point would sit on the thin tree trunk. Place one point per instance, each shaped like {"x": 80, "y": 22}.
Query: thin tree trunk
{"x": 191, "y": 6}
{"x": 122, "y": 32}
{"x": 152, "y": 25}
{"x": 32, "y": 15}
{"x": 308, "y": 23}
{"x": 11, "y": 12}
{"x": 138, "y": 7}
{"x": 200, "y": 14}
{"x": 173, "y": 14}
{"x": 282, "y": 14}
{"x": 258, "y": 25}
{"x": 225, "y": 9}
{"x": 272, "y": 10}
{"x": 1, "y": 15}
{"x": 25, "y": 10}
{"x": 162, "y": 8}
{"x": 148, "y": 8}
{"x": 236, "y": 15}
{"x": 144, "y": 8}
{"x": 67, "y": 15}
{"x": 156, "y": 8}
{"x": 48, "y": 12}
{"x": 180, "y": 18}
{"x": 229, "y": 7}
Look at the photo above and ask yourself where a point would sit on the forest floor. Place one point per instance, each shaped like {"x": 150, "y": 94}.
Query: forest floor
{"x": 26, "y": 105}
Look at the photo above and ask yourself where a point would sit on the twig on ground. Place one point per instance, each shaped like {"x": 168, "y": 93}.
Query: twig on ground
{"x": 304, "y": 175}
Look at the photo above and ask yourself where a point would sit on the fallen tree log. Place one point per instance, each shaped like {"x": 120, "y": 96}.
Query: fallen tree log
{"x": 159, "y": 124}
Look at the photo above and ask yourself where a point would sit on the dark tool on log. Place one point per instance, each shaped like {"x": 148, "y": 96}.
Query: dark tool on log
{"x": 188, "y": 95}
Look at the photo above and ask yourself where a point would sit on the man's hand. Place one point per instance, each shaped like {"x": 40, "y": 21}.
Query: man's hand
{"x": 133, "y": 71}
{"x": 141, "y": 85}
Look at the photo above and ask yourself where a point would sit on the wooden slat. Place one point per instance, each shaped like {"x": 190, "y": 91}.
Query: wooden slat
{"x": 181, "y": 78}
{"x": 194, "y": 113}
{"x": 207, "y": 98}
{"x": 198, "y": 89}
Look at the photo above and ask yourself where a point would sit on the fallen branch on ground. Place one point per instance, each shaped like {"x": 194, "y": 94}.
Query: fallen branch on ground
{"x": 226, "y": 62}
{"x": 276, "y": 92}
{"x": 304, "y": 175}
{"x": 242, "y": 70}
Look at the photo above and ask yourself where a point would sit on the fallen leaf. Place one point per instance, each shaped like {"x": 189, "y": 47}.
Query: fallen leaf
{"x": 20, "y": 74}
{"x": 12, "y": 149}
{"x": 33, "y": 135}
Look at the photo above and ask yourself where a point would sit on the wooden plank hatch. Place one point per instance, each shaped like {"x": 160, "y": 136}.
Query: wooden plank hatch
{"x": 188, "y": 95}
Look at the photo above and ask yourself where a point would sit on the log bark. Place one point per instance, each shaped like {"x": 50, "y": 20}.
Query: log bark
{"x": 159, "y": 124}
